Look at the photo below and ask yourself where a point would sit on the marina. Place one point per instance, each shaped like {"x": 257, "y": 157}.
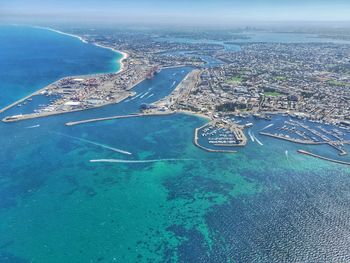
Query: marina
{"x": 220, "y": 136}
{"x": 306, "y": 132}
{"x": 196, "y": 142}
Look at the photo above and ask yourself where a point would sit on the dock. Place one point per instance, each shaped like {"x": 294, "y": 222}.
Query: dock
{"x": 29, "y": 116}
{"x": 59, "y": 88}
{"x": 22, "y": 100}
{"x": 195, "y": 141}
{"x": 333, "y": 144}
{"x": 290, "y": 139}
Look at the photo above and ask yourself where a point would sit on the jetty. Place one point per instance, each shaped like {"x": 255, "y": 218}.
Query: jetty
{"x": 334, "y": 144}
{"x": 38, "y": 92}
{"x": 73, "y": 123}
{"x": 21, "y": 117}
{"x": 290, "y": 139}
{"x": 323, "y": 158}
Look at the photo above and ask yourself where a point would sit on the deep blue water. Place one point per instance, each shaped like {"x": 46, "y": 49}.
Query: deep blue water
{"x": 259, "y": 205}
{"x": 32, "y": 58}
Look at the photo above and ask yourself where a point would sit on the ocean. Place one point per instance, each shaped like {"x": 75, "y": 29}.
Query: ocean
{"x": 267, "y": 203}
{"x": 32, "y": 58}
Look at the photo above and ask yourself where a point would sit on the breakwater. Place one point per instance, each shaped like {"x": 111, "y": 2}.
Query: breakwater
{"x": 323, "y": 158}
{"x": 195, "y": 141}
{"x": 117, "y": 117}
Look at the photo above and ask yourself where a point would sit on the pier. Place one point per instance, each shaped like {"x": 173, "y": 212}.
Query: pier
{"x": 323, "y": 158}
{"x": 74, "y": 123}
{"x": 290, "y": 139}
{"x": 40, "y": 91}
{"x": 22, "y": 100}
{"x": 22, "y": 117}
{"x": 333, "y": 144}
{"x": 112, "y": 88}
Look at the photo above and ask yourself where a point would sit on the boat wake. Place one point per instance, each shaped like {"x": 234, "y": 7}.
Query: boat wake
{"x": 257, "y": 140}
{"x": 143, "y": 95}
{"x": 251, "y": 136}
{"x": 32, "y": 127}
{"x": 135, "y": 97}
{"x": 97, "y": 144}
{"x": 137, "y": 161}
{"x": 268, "y": 126}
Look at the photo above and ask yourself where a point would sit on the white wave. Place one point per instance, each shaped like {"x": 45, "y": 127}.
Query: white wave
{"x": 135, "y": 97}
{"x": 173, "y": 83}
{"x": 61, "y": 32}
{"x": 150, "y": 96}
{"x": 286, "y": 153}
{"x": 257, "y": 140}
{"x": 143, "y": 95}
{"x": 137, "y": 161}
{"x": 98, "y": 144}
{"x": 268, "y": 126}
{"x": 32, "y": 127}
{"x": 250, "y": 135}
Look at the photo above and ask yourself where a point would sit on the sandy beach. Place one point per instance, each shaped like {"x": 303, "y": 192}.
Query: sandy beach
{"x": 62, "y": 33}
{"x": 120, "y": 61}
{"x": 194, "y": 114}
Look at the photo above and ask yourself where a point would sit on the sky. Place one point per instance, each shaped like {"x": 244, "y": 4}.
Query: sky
{"x": 174, "y": 11}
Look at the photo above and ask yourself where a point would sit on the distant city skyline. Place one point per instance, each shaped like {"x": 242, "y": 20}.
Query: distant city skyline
{"x": 180, "y": 11}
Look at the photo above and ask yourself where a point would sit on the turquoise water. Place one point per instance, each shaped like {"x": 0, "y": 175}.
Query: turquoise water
{"x": 259, "y": 205}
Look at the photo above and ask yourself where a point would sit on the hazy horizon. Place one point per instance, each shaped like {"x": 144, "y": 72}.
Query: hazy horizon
{"x": 195, "y": 12}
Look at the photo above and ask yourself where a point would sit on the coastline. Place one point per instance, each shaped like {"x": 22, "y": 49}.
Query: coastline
{"x": 120, "y": 60}
{"x": 60, "y": 32}
{"x": 196, "y": 114}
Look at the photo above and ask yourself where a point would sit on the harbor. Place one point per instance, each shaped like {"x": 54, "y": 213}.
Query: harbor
{"x": 310, "y": 133}
{"x": 145, "y": 92}
{"x": 220, "y": 135}
{"x": 47, "y": 113}
{"x": 199, "y": 145}
{"x": 205, "y": 181}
